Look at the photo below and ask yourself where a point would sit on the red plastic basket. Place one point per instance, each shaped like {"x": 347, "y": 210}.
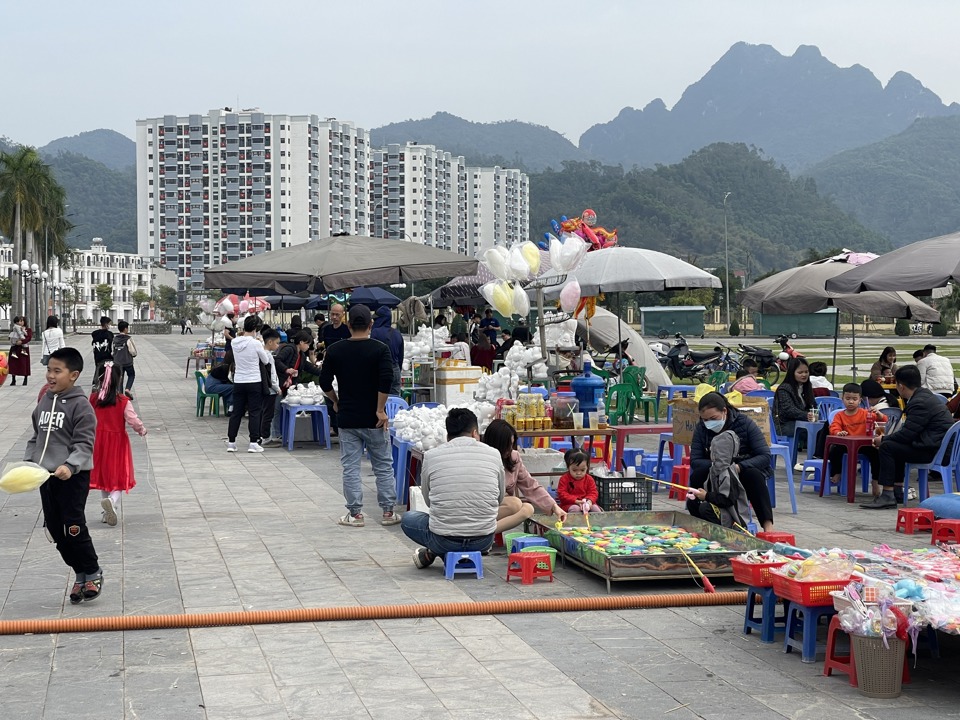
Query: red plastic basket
{"x": 810, "y": 593}
{"x": 753, "y": 574}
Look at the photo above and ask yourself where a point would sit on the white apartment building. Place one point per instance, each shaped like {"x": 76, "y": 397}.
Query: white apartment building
{"x": 498, "y": 208}
{"x": 419, "y": 193}
{"x": 124, "y": 272}
{"x": 423, "y": 194}
{"x": 225, "y": 185}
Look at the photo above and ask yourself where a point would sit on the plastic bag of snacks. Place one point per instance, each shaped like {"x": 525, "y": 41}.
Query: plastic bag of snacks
{"x": 819, "y": 568}
{"x": 23, "y": 477}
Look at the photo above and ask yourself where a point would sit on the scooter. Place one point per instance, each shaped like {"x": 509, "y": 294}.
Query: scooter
{"x": 770, "y": 365}
{"x": 685, "y": 364}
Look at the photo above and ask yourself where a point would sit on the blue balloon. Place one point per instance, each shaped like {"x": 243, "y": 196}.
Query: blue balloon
{"x": 542, "y": 245}
{"x": 563, "y": 218}
{"x": 555, "y": 226}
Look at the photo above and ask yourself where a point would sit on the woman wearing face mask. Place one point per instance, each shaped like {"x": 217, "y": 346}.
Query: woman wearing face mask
{"x": 752, "y": 461}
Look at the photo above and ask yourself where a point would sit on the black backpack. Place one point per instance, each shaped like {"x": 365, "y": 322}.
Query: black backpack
{"x": 121, "y": 352}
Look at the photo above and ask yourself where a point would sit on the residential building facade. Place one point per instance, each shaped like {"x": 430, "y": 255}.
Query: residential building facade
{"x": 498, "y": 208}
{"x": 72, "y": 291}
{"x": 222, "y": 186}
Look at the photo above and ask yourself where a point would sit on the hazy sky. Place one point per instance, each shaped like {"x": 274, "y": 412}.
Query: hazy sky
{"x": 69, "y": 66}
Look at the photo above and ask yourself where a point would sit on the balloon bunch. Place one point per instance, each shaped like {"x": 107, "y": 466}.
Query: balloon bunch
{"x": 510, "y": 268}
{"x": 214, "y": 313}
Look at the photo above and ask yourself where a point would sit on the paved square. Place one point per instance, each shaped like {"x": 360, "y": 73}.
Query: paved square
{"x": 206, "y": 531}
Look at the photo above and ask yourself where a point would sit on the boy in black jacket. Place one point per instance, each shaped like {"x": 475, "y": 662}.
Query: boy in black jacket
{"x": 64, "y": 428}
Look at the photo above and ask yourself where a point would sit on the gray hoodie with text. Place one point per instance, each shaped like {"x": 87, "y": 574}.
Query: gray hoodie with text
{"x": 71, "y": 424}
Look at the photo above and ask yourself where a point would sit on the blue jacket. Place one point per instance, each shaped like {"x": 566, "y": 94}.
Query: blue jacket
{"x": 754, "y": 451}
{"x": 388, "y": 335}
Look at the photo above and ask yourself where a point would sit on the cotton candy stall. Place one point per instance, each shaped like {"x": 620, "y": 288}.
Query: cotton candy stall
{"x": 425, "y": 427}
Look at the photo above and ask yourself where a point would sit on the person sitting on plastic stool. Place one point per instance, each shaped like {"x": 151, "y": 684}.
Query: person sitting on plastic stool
{"x": 462, "y": 482}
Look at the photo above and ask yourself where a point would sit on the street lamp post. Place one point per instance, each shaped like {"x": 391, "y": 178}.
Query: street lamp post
{"x": 726, "y": 257}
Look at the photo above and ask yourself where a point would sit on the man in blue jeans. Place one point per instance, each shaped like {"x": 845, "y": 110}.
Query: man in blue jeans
{"x": 364, "y": 371}
{"x": 463, "y": 484}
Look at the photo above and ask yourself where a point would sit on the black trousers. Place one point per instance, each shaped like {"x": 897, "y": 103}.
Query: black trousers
{"x": 836, "y": 460}
{"x": 63, "y": 503}
{"x": 269, "y": 406}
{"x": 754, "y": 482}
{"x": 246, "y": 397}
{"x": 894, "y": 455}
{"x": 131, "y": 374}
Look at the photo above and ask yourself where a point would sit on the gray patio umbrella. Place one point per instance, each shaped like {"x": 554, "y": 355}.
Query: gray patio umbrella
{"x": 801, "y": 290}
{"x": 465, "y": 290}
{"x": 627, "y": 269}
{"x": 339, "y": 262}
{"x": 915, "y": 268}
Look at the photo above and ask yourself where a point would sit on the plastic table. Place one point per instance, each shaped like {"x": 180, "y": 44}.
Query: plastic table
{"x": 852, "y": 443}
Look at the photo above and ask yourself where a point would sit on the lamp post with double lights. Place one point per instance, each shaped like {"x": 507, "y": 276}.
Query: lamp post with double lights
{"x": 31, "y": 273}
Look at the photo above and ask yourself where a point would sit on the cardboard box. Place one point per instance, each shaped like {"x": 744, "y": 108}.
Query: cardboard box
{"x": 686, "y": 416}
{"x": 456, "y": 385}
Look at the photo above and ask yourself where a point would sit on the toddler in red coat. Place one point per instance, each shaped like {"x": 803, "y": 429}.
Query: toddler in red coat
{"x": 576, "y": 490}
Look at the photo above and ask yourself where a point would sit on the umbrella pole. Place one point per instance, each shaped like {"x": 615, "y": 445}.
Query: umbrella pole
{"x": 836, "y": 336}
{"x": 853, "y": 330}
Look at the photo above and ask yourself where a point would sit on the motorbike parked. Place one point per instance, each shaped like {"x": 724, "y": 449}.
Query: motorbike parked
{"x": 686, "y": 364}
{"x": 771, "y": 365}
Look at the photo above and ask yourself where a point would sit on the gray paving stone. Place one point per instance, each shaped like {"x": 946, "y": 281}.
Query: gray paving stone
{"x": 205, "y": 531}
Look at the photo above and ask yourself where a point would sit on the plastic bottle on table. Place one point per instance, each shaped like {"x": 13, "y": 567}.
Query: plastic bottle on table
{"x": 871, "y": 422}
{"x": 601, "y": 414}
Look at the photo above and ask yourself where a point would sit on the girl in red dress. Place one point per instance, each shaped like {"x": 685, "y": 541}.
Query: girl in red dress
{"x": 112, "y": 459}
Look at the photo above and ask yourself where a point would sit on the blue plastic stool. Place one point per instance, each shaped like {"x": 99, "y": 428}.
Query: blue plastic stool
{"x": 631, "y": 457}
{"x": 805, "y": 619}
{"x": 842, "y": 487}
{"x": 768, "y": 624}
{"x": 463, "y": 563}
{"x": 319, "y": 418}
{"x": 524, "y": 542}
{"x": 561, "y": 445}
{"x": 814, "y": 469}
{"x": 401, "y": 464}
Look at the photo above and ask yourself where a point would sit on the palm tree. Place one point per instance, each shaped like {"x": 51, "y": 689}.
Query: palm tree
{"x": 26, "y": 184}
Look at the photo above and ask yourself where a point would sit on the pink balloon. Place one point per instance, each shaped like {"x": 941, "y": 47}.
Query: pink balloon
{"x": 244, "y": 306}
{"x": 570, "y": 296}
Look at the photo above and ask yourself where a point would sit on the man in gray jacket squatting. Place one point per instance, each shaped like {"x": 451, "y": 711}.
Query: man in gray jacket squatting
{"x": 463, "y": 484}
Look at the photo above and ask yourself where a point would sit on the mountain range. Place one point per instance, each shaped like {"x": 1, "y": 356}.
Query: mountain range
{"x": 886, "y": 154}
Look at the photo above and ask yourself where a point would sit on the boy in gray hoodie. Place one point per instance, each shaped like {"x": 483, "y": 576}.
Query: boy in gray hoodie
{"x": 723, "y": 500}
{"x": 64, "y": 428}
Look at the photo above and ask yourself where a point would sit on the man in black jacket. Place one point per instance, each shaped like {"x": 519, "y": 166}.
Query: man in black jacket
{"x": 925, "y": 421}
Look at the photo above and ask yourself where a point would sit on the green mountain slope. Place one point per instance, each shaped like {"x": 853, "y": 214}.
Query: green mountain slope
{"x": 906, "y": 187}
{"x": 772, "y": 219}
{"x": 514, "y": 143}
{"x": 103, "y": 202}
{"x": 116, "y": 151}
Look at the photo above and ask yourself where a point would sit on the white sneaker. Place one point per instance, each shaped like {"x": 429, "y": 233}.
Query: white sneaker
{"x": 798, "y": 467}
{"x": 254, "y": 448}
{"x": 231, "y": 447}
{"x": 109, "y": 512}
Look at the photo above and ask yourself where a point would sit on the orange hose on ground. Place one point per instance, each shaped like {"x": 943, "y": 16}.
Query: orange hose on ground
{"x": 368, "y": 612}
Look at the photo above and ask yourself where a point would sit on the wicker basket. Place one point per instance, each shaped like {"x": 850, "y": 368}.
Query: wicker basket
{"x": 879, "y": 669}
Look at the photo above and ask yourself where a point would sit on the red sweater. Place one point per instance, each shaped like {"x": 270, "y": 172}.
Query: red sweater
{"x": 569, "y": 491}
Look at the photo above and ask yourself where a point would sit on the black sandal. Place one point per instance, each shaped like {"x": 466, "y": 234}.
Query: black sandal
{"x": 92, "y": 588}
{"x": 76, "y": 593}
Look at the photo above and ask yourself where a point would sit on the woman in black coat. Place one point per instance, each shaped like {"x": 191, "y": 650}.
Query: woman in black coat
{"x": 753, "y": 462}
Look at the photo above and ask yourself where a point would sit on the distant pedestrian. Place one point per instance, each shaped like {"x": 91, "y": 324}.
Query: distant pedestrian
{"x": 51, "y": 339}
{"x": 112, "y": 472}
{"x": 189, "y": 326}
{"x": 18, "y": 360}
{"x": 363, "y": 370}
{"x": 102, "y": 341}
{"x": 124, "y": 351}
{"x": 183, "y": 325}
